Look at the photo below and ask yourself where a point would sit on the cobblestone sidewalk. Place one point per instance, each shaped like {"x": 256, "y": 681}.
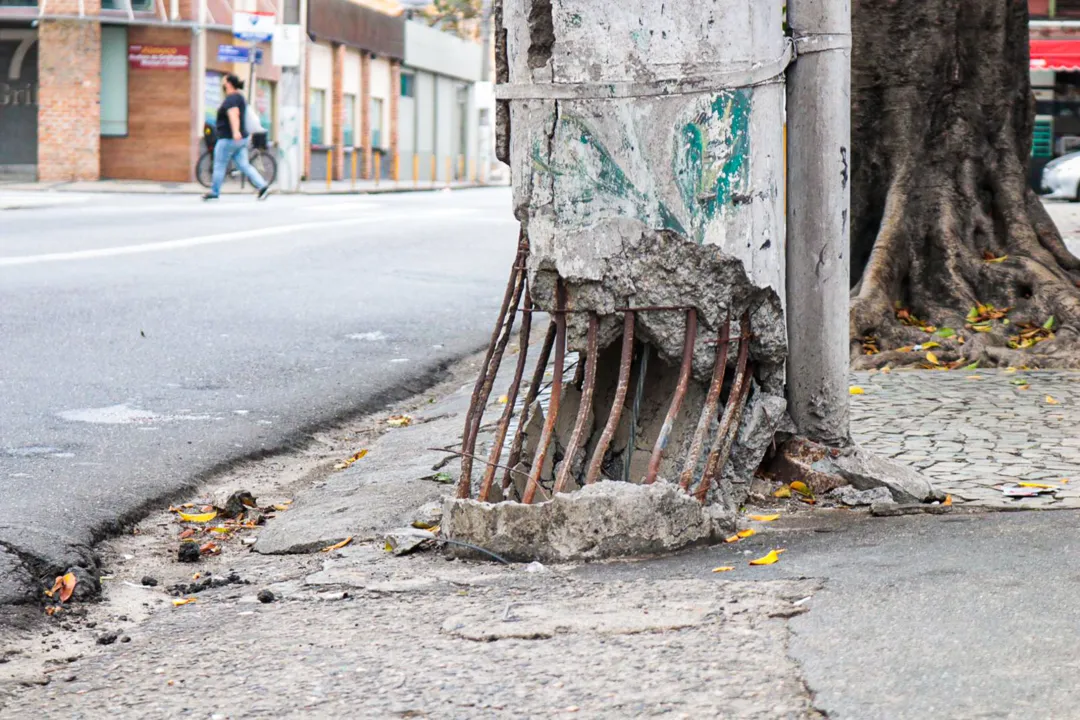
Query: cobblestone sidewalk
{"x": 970, "y": 432}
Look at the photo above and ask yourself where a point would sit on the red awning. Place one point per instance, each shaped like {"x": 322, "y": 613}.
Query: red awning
{"x": 1055, "y": 54}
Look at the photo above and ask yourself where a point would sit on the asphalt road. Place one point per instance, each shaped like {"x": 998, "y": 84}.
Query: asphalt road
{"x": 146, "y": 340}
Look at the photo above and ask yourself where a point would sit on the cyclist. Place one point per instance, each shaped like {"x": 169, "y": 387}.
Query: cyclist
{"x": 233, "y": 139}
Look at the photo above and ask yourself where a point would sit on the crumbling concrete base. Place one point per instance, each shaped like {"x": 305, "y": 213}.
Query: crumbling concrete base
{"x": 824, "y": 469}
{"x": 608, "y": 519}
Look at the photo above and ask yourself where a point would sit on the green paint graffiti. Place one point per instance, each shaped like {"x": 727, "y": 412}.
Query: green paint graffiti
{"x": 596, "y": 174}
{"x": 711, "y": 158}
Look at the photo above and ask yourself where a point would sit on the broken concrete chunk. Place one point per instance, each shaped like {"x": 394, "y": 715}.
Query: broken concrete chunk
{"x": 848, "y": 495}
{"x": 608, "y": 519}
{"x": 403, "y": 541}
{"x": 865, "y": 471}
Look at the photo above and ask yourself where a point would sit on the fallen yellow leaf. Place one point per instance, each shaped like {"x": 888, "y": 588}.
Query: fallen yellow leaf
{"x": 948, "y": 500}
{"x": 772, "y": 557}
{"x": 281, "y": 507}
{"x": 1010, "y": 369}
{"x": 886, "y": 370}
{"x": 1064, "y": 481}
{"x": 184, "y": 601}
{"x": 51, "y": 610}
{"x": 856, "y": 390}
{"x": 996, "y": 260}
{"x": 338, "y": 546}
{"x": 731, "y": 539}
{"x": 749, "y": 532}
{"x": 399, "y": 421}
{"x": 1043, "y": 486}
{"x": 801, "y": 488}
{"x": 723, "y": 568}
{"x": 1052, "y": 401}
{"x": 783, "y": 492}
{"x": 765, "y": 518}
{"x": 974, "y": 377}
{"x": 68, "y": 582}
{"x": 932, "y": 358}
{"x": 197, "y": 517}
{"x": 503, "y": 399}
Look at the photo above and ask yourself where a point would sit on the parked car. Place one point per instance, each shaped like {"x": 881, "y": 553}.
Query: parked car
{"x": 1061, "y": 178}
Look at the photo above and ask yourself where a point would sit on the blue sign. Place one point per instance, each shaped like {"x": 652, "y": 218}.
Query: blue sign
{"x": 237, "y": 54}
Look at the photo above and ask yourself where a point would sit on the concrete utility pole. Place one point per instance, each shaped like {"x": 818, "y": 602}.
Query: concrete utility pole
{"x": 819, "y": 168}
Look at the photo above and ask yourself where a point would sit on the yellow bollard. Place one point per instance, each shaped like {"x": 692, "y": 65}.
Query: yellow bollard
{"x": 449, "y": 171}
{"x": 416, "y": 169}
{"x": 354, "y": 154}
{"x": 329, "y": 168}
{"x": 434, "y": 169}
{"x": 378, "y": 168}
{"x": 396, "y": 169}
{"x": 472, "y": 171}
{"x": 461, "y": 167}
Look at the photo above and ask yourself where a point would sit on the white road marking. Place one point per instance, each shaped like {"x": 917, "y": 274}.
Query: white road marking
{"x": 257, "y": 233}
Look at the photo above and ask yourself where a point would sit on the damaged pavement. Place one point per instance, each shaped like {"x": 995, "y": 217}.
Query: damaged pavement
{"x": 830, "y": 627}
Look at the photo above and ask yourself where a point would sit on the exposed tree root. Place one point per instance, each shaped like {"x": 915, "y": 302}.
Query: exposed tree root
{"x": 942, "y": 218}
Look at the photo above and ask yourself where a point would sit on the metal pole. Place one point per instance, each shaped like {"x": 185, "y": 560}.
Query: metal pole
{"x": 291, "y": 91}
{"x": 819, "y": 168}
{"x": 484, "y": 131}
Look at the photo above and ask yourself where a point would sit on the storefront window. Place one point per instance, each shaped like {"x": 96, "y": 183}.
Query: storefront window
{"x": 317, "y": 115}
{"x": 1054, "y": 9}
{"x": 213, "y": 95}
{"x": 408, "y": 85}
{"x": 114, "y": 81}
{"x": 376, "y": 122}
{"x": 350, "y": 120}
{"x": 136, "y": 5}
{"x": 264, "y": 106}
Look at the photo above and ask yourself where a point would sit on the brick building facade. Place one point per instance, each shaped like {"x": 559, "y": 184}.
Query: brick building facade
{"x": 79, "y": 99}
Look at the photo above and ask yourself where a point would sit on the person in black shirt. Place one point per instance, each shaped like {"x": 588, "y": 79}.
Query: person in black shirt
{"x": 232, "y": 140}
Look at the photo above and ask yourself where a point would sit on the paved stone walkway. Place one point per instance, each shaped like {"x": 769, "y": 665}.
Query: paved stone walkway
{"x": 970, "y": 432}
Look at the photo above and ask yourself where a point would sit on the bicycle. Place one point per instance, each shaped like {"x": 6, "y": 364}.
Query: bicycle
{"x": 260, "y": 155}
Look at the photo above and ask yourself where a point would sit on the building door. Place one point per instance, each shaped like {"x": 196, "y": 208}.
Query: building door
{"x": 18, "y": 103}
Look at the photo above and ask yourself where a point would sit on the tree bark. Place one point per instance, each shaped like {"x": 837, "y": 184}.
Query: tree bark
{"x": 942, "y": 119}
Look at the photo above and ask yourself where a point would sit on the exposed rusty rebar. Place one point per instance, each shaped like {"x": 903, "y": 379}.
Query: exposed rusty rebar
{"x": 511, "y": 400}
{"x": 708, "y": 412}
{"x": 721, "y": 446}
{"x": 530, "y": 397}
{"x": 556, "y": 397}
{"x": 588, "y": 386}
{"x": 685, "y": 371}
{"x": 615, "y": 415}
{"x": 490, "y": 367}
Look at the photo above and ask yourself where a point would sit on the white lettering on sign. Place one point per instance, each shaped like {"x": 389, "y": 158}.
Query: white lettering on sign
{"x": 26, "y": 39}
{"x": 17, "y": 95}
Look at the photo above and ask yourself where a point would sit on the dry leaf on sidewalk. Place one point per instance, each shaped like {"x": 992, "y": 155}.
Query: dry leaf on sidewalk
{"x": 723, "y": 568}
{"x": 337, "y": 546}
{"x": 856, "y": 390}
{"x": 197, "y": 517}
{"x": 765, "y": 518}
{"x": 185, "y": 601}
{"x": 771, "y": 558}
{"x": 350, "y": 460}
{"x": 399, "y": 421}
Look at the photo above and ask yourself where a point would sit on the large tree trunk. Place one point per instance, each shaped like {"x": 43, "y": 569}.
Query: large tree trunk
{"x": 942, "y": 117}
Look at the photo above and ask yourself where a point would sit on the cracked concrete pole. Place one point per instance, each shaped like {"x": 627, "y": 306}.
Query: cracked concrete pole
{"x": 645, "y": 115}
{"x": 819, "y": 160}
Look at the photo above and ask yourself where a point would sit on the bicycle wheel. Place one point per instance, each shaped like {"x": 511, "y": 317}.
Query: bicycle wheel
{"x": 265, "y": 162}
{"x": 204, "y": 170}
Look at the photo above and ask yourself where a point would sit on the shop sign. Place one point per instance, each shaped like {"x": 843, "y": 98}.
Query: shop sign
{"x": 238, "y": 54}
{"x": 159, "y": 57}
{"x": 253, "y": 26}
